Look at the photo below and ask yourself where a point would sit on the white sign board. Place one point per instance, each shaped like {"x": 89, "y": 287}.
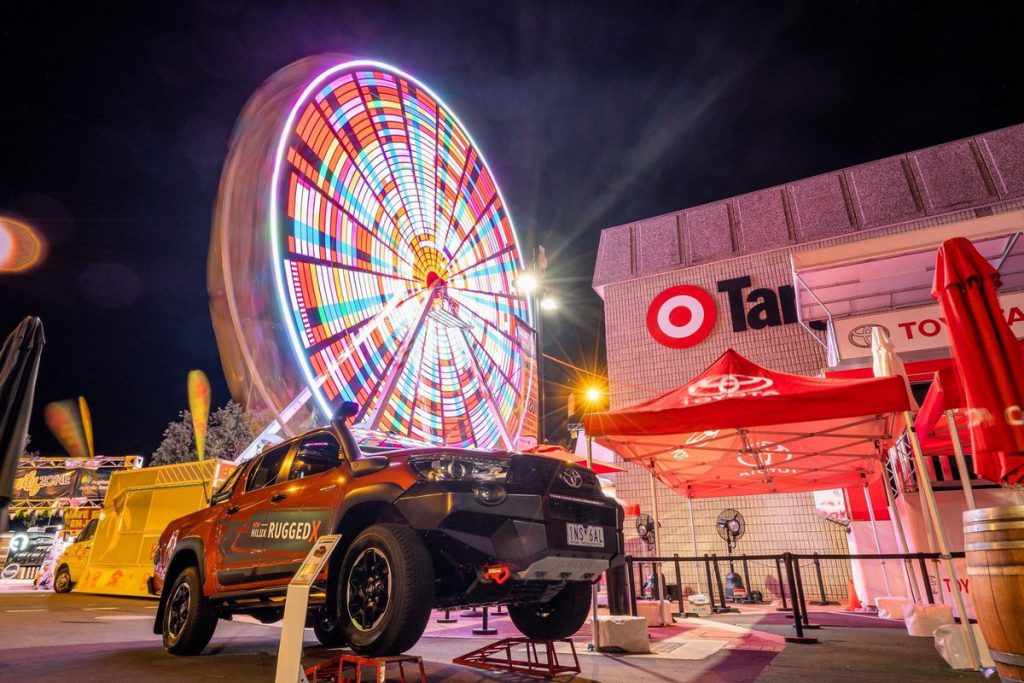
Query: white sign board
{"x": 289, "y": 652}
{"x": 912, "y": 329}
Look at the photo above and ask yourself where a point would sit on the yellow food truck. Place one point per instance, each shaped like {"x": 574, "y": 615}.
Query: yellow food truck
{"x": 114, "y": 553}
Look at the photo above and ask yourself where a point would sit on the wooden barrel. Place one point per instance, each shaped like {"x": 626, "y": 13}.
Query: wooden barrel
{"x": 994, "y": 543}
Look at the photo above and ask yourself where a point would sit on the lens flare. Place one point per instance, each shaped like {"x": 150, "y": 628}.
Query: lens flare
{"x": 21, "y": 247}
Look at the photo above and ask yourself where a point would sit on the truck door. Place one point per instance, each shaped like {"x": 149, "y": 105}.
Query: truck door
{"x": 242, "y": 525}
{"x": 301, "y": 508}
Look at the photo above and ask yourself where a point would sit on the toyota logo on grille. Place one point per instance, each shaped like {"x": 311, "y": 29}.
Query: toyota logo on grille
{"x": 572, "y": 478}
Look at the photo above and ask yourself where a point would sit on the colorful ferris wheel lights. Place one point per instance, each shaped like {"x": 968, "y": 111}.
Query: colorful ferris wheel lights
{"x": 394, "y": 260}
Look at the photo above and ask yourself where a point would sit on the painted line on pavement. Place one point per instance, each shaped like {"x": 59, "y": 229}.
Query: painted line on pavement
{"x": 26, "y": 610}
{"x": 96, "y": 609}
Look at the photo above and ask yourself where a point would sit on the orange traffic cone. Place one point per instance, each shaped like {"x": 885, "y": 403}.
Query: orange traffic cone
{"x": 852, "y": 601}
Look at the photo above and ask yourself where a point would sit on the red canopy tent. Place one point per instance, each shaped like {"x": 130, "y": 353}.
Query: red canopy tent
{"x": 742, "y": 429}
{"x": 930, "y": 423}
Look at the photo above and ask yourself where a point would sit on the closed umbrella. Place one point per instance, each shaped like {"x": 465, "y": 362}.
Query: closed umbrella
{"x": 886, "y": 361}
{"x": 987, "y": 358}
{"x": 19, "y": 365}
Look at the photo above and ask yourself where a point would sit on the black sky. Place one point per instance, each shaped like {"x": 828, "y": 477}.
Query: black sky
{"x": 114, "y": 124}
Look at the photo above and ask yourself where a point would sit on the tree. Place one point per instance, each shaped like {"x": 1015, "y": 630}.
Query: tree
{"x": 178, "y": 444}
{"x": 231, "y": 430}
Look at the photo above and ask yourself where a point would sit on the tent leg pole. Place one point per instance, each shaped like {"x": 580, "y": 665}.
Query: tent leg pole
{"x": 940, "y": 534}
{"x": 961, "y": 462}
{"x": 897, "y": 523}
{"x": 594, "y": 587}
{"x": 693, "y": 539}
{"x": 874, "y": 532}
{"x": 659, "y": 579}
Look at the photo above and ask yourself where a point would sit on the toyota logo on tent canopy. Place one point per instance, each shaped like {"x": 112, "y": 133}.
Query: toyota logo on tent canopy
{"x": 681, "y": 316}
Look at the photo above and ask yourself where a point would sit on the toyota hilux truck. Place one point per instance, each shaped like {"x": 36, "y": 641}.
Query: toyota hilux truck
{"x": 421, "y": 529}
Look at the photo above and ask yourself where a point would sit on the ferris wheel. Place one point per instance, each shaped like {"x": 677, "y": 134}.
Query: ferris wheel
{"x": 363, "y": 252}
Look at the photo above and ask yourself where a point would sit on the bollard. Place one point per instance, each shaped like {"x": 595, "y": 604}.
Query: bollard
{"x": 797, "y": 621}
{"x": 447, "y": 618}
{"x": 484, "y": 629}
{"x": 782, "y": 586}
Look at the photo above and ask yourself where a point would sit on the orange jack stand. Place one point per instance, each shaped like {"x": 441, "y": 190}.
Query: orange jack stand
{"x": 498, "y": 656}
{"x": 333, "y": 671}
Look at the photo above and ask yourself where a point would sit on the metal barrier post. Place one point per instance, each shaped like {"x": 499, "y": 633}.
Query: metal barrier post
{"x": 782, "y": 586}
{"x": 746, "y": 577}
{"x": 800, "y": 594}
{"x": 718, "y": 582}
{"x": 821, "y": 584}
{"x": 797, "y": 621}
{"x": 447, "y": 618}
{"x": 679, "y": 585}
{"x": 484, "y": 629}
{"x": 632, "y": 587}
{"x": 711, "y": 586}
{"x": 721, "y": 590}
{"x": 927, "y": 580}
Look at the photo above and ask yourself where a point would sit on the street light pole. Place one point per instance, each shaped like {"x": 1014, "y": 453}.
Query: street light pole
{"x": 540, "y": 371}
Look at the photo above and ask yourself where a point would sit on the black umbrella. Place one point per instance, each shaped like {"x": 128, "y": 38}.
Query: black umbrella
{"x": 19, "y": 365}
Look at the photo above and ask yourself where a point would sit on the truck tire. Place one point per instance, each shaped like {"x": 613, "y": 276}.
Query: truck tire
{"x": 385, "y": 590}
{"x": 62, "y": 581}
{"x": 189, "y": 621}
{"x": 558, "y": 618}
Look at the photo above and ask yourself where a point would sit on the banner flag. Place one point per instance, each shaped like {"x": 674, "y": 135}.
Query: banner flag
{"x": 86, "y": 418}
{"x": 199, "y": 405}
{"x": 64, "y": 418}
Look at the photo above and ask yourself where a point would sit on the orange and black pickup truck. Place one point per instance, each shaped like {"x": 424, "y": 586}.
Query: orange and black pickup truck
{"x": 421, "y": 529}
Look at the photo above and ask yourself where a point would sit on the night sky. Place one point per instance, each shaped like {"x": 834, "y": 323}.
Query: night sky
{"x": 114, "y": 125}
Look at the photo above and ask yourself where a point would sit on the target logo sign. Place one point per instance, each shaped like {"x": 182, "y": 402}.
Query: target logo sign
{"x": 681, "y": 316}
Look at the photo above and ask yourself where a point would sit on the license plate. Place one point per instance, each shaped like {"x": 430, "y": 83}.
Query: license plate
{"x": 582, "y": 534}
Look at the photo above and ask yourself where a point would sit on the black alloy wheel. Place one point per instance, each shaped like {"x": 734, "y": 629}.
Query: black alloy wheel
{"x": 369, "y": 589}
{"x": 188, "y": 620}
{"x": 385, "y": 590}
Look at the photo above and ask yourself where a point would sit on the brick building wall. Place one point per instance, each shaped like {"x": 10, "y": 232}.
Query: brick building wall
{"x": 753, "y": 235}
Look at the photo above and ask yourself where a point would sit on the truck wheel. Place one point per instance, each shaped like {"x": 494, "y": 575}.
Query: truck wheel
{"x": 385, "y": 590}
{"x": 62, "y": 581}
{"x": 328, "y": 631}
{"x": 559, "y": 618}
{"x": 189, "y": 621}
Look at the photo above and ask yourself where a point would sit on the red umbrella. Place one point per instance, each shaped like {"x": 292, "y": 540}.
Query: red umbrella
{"x": 987, "y": 357}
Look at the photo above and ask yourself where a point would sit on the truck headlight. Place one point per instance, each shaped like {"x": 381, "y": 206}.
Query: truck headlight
{"x": 446, "y": 467}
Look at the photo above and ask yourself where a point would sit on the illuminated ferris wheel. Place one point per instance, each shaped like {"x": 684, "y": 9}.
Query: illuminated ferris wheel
{"x": 370, "y": 259}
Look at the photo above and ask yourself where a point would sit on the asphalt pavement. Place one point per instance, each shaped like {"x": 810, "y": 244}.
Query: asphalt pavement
{"x": 84, "y": 638}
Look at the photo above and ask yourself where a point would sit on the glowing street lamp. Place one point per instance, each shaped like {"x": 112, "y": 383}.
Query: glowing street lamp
{"x": 528, "y": 283}
{"x": 593, "y": 395}
{"x": 549, "y": 303}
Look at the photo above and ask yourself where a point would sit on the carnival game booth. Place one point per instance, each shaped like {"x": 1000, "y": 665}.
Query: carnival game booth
{"x": 54, "y": 498}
